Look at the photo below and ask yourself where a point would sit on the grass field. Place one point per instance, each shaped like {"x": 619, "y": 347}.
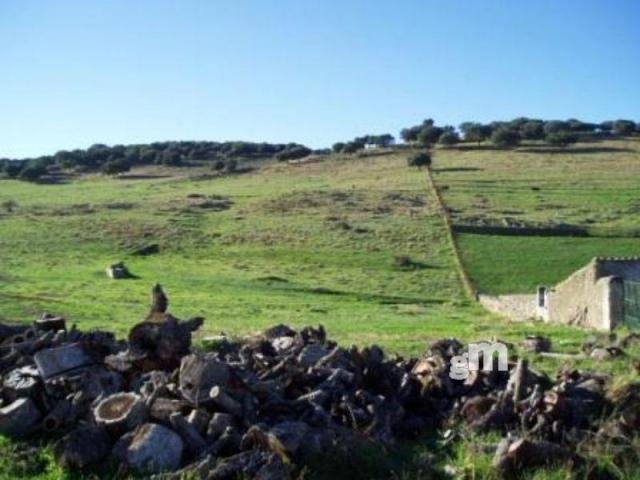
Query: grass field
{"x": 308, "y": 243}
{"x": 592, "y": 186}
{"x": 299, "y": 244}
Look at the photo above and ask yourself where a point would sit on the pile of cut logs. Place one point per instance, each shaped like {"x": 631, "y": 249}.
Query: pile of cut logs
{"x": 259, "y": 406}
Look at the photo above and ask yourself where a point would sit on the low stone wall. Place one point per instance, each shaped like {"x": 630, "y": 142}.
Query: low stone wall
{"x": 521, "y": 231}
{"x": 518, "y": 307}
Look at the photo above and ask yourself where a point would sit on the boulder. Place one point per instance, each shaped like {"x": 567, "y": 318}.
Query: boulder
{"x": 150, "y": 449}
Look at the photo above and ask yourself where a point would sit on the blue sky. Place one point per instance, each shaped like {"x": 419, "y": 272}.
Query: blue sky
{"x": 77, "y": 72}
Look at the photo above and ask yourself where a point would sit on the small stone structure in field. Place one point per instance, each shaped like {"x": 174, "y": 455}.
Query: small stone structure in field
{"x": 602, "y": 295}
{"x": 118, "y": 271}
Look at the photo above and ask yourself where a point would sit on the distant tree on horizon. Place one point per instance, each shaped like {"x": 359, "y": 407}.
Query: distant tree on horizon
{"x": 449, "y": 137}
{"x": 561, "y": 139}
{"x": 505, "y": 136}
{"x": 475, "y": 131}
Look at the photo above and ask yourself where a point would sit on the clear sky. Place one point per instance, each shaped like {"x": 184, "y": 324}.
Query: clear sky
{"x": 78, "y": 72}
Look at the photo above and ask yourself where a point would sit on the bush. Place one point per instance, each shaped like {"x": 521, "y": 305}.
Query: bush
{"x": 113, "y": 167}
{"x": 12, "y": 170}
{"x": 405, "y": 262}
{"x": 561, "y": 139}
{"x": 32, "y": 172}
{"x": 293, "y": 153}
{"x": 429, "y": 135}
{"x": 422, "y": 159}
{"x": 218, "y": 165}
{"x": 9, "y": 205}
{"x": 532, "y": 130}
{"x": 338, "y": 147}
{"x": 232, "y": 165}
{"x": 351, "y": 147}
{"x": 171, "y": 158}
{"x": 505, "y": 137}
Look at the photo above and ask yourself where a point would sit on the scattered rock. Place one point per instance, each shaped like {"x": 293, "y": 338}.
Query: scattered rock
{"x": 118, "y": 271}
{"x": 536, "y": 343}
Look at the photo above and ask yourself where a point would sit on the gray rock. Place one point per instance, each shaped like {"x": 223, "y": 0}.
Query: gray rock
{"x": 150, "y": 449}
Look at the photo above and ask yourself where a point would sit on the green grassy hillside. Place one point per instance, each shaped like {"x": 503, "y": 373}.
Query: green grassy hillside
{"x": 301, "y": 244}
{"x": 590, "y": 186}
{"x": 305, "y": 243}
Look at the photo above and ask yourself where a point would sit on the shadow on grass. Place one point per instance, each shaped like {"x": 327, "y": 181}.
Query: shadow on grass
{"x": 358, "y": 296}
{"x": 457, "y": 169}
{"x": 578, "y": 150}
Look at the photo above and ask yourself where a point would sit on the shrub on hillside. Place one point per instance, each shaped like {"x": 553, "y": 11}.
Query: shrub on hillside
{"x": 218, "y": 165}
{"x": 171, "y": 158}
{"x": 9, "y": 205}
{"x": 113, "y": 167}
{"x": 232, "y": 165}
{"x": 422, "y": 159}
{"x": 293, "y": 153}
{"x": 32, "y": 172}
{"x": 12, "y": 170}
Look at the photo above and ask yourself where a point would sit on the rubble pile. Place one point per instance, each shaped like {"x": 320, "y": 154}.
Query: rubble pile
{"x": 257, "y": 406}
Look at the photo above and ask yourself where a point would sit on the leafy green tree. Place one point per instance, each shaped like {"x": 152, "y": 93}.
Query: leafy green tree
{"x": 13, "y": 169}
{"x": 554, "y": 126}
{"x": 171, "y": 158}
{"x": 475, "y": 132}
{"x": 532, "y": 130}
{"x": 505, "y": 137}
{"x": 624, "y": 127}
{"x": 351, "y": 147}
{"x": 429, "y": 135}
{"x": 32, "y": 172}
{"x": 419, "y": 160}
{"x": 338, "y": 147}
{"x": 448, "y": 138}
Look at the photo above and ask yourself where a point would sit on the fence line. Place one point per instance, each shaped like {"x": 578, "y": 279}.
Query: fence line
{"x": 466, "y": 281}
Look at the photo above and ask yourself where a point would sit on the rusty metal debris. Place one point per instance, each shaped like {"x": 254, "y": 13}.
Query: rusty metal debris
{"x": 258, "y": 406}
